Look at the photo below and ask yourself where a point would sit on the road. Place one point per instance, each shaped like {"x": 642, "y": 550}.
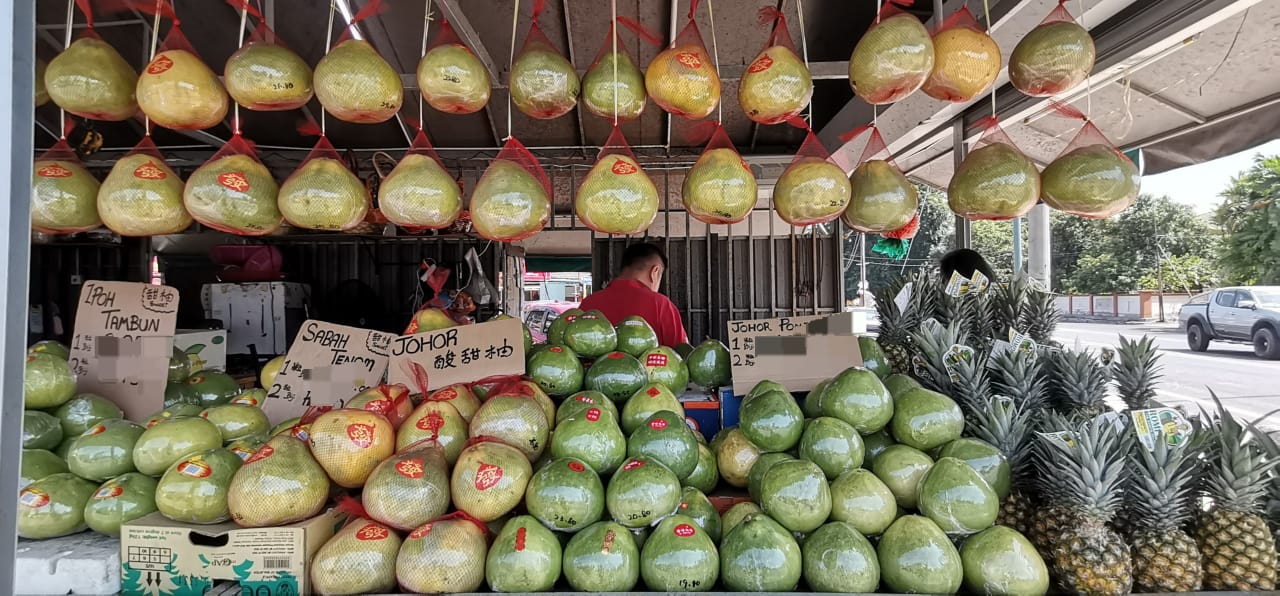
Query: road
{"x": 1247, "y": 385}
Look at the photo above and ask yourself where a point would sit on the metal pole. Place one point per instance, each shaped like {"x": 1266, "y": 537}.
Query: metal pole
{"x": 1038, "y": 236}
{"x": 863, "y": 286}
{"x": 1017, "y": 246}
{"x": 964, "y": 231}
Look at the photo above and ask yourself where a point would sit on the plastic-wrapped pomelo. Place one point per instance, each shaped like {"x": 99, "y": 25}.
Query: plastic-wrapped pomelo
{"x": 646, "y": 402}
{"x": 438, "y": 421}
{"x": 349, "y": 444}
{"x": 236, "y": 421}
{"x": 602, "y": 558}
{"x": 53, "y": 506}
{"x": 323, "y": 194}
{"x": 64, "y": 197}
{"x": 642, "y": 492}
{"x": 837, "y": 558}
{"x": 565, "y": 495}
{"x": 577, "y": 404}
{"x": 509, "y": 203}
{"x": 525, "y": 557}
{"x": 544, "y": 84}
{"x": 617, "y": 197}
{"x": 51, "y": 346}
{"x": 811, "y": 191}
{"x": 599, "y": 87}
{"x": 683, "y": 81}
{"x": 119, "y": 501}
{"x": 194, "y": 490}
{"x": 83, "y": 411}
{"x": 38, "y": 463}
{"x": 453, "y": 80}
{"x": 281, "y": 483}
{"x": 591, "y": 436}
{"x": 679, "y": 556}
{"x": 268, "y": 77}
{"x": 41, "y": 430}
{"x": 142, "y": 196}
{"x": 418, "y": 475}
{"x": 489, "y": 479}
{"x": 47, "y": 382}
{"x": 1052, "y": 58}
{"x": 443, "y": 556}
{"x": 173, "y": 411}
{"x": 666, "y": 439}
{"x": 267, "y": 376}
{"x": 719, "y": 188}
{"x": 92, "y": 80}
{"x": 776, "y": 86}
{"x": 359, "y": 559}
{"x": 994, "y": 182}
{"x": 41, "y": 93}
{"x": 105, "y": 450}
{"x": 892, "y": 59}
{"x": 515, "y": 420}
{"x": 235, "y": 193}
{"x": 1091, "y": 181}
{"x": 882, "y": 198}
{"x": 246, "y": 447}
{"x": 419, "y": 193}
{"x": 966, "y": 63}
{"x": 356, "y": 84}
{"x": 177, "y": 90}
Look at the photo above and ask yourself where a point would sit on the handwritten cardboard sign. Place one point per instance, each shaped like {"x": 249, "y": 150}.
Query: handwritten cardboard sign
{"x": 326, "y": 365}
{"x": 459, "y": 354}
{"x": 785, "y": 351}
{"x": 120, "y": 349}
{"x": 743, "y": 334}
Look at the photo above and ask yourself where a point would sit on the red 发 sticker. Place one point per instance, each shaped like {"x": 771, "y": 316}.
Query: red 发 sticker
{"x": 53, "y": 170}
{"x": 576, "y": 466}
{"x": 151, "y": 171}
{"x": 372, "y": 531}
{"x": 658, "y": 424}
{"x": 108, "y": 491}
{"x": 685, "y": 531}
{"x": 520, "y": 536}
{"x": 555, "y": 349}
{"x": 654, "y": 392}
{"x": 195, "y": 468}
{"x": 234, "y": 181}
{"x": 593, "y": 414}
{"x": 760, "y": 65}
{"x": 161, "y": 64}
{"x": 98, "y": 429}
{"x": 622, "y": 168}
{"x": 361, "y": 435}
{"x": 689, "y": 59}
{"x": 411, "y": 468}
{"x": 487, "y": 476}
{"x": 633, "y": 464}
{"x": 445, "y": 394}
{"x": 433, "y": 422}
{"x": 655, "y": 360}
{"x": 33, "y": 497}
{"x": 262, "y": 453}
{"x": 616, "y": 355}
{"x": 421, "y": 532}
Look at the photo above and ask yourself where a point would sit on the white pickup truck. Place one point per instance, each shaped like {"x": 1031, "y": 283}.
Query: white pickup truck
{"x": 1242, "y": 315}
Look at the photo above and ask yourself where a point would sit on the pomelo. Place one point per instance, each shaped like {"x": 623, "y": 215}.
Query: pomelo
{"x": 173, "y": 411}
{"x": 882, "y": 198}
{"x": 1052, "y": 58}
{"x": 64, "y": 197}
{"x": 119, "y": 501}
{"x": 902, "y": 468}
{"x": 356, "y": 84}
{"x": 1093, "y": 181}
{"x": 635, "y": 336}
{"x": 432, "y": 319}
{"x": 966, "y": 61}
{"x": 419, "y": 194}
{"x": 617, "y": 197}
{"x": 578, "y": 403}
{"x": 679, "y": 557}
{"x": 246, "y": 447}
{"x": 509, "y": 203}
{"x": 988, "y": 461}
{"x": 359, "y": 559}
{"x": 51, "y": 346}
{"x": 735, "y": 514}
{"x": 617, "y": 377}
{"x": 642, "y": 492}
{"x": 759, "y": 555}
{"x": 755, "y": 478}
{"x": 857, "y": 397}
{"x": 515, "y": 420}
{"x": 453, "y": 80}
{"x": 236, "y": 421}
{"x": 104, "y": 450}
{"x": 38, "y": 463}
{"x": 861, "y": 499}
{"x": 771, "y": 421}
{"x": 83, "y": 411}
{"x": 811, "y": 191}
{"x": 925, "y": 419}
{"x": 956, "y": 498}
{"x": 194, "y": 490}
{"x": 40, "y": 430}
{"x": 281, "y": 483}
{"x": 438, "y": 421}
{"x": 683, "y": 80}
{"x": 323, "y": 194}
{"x": 719, "y": 188}
{"x": 268, "y": 77}
{"x": 775, "y": 86}
{"x": 92, "y": 80}
{"x": 349, "y": 444}
{"x": 543, "y": 83}
{"x": 832, "y": 444}
{"x": 837, "y": 558}
{"x": 646, "y": 402}
{"x": 417, "y": 475}
{"x": 213, "y": 388}
{"x": 391, "y": 401}
{"x": 599, "y": 87}
{"x": 565, "y": 495}
{"x": 695, "y": 504}
{"x": 666, "y": 439}
{"x": 795, "y": 493}
{"x": 735, "y": 456}
{"x": 524, "y": 557}
{"x": 917, "y": 558}
{"x": 603, "y": 557}
{"x": 53, "y": 506}
{"x": 555, "y": 333}
{"x": 1001, "y": 556}
{"x": 705, "y": 475}
{"x": 891, "y": 60}
{"x": 590, "y": 336}
{"x": 591, "y": 436}
{"x": 177, "y": 90}
{"x": 489, "y": 479}
{"x": 235, "y": 193}
{"x": 142, "y": 196}
{"x": 667, "y": 368}
{"x": 996, "y": 182}
{"x": 443, "y": 556}
{"x": 708, "y": 364}
{"x": 267, "y": 376}
{"x": 164, "y": 444}
{"x": 47, "y": 382}
{"x": 873, "y": 358}
{"x": 461, "y": 396}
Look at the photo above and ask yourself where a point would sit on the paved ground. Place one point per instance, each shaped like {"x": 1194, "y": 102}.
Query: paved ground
{"x": 1249, "y": 386}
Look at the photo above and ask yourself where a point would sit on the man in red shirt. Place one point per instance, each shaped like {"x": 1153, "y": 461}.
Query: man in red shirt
{"x": 635, "y": 292}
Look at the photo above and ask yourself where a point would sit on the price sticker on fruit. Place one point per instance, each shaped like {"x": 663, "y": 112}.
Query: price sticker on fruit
{"x": 461, "y": 354}
{"x": 326, "y": 365}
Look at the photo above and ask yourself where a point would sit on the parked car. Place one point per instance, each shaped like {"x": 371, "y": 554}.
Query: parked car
{"x": 539, "y": 315}
{"x": 1240, "y": 315}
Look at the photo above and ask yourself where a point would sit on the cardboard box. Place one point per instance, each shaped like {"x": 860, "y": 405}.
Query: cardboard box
{"x": 797, "y": 352}
{"x": 162, "y": 556}
{"x": 207, "y": 348}
{"x": 260, "y": 318}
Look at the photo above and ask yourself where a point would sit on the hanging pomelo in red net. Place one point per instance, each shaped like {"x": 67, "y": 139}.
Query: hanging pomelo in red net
{"x": 64, "y": 195}
{"x": 1054, "y": 57}
{"x": 419, "y": 194}
{"x": 544, "y": 84}
{"x": 812, "y": 190}
{"x": 882, "y": 197}
{"x": 602, "y": 90}
{"x": 142, "y": 196}
{"x": 323, "y": 194}
{"x": 264, "y": 74}
{"x": 720, "y": 188}
{"x": 893, "y": 58}
{"x": 966, "y": 61}
{"x": 354, "y": 82}
{"x": 617, "y": 196}
{"x": 682, "y": 79}
{"x": 777, "y": 84}
{"x": 450, "y": 76}
{"x": 1091, "y": 177}
{"x": 512, "y": 200}
{"x": 995, "y": 180}
{"x": 233, "y": 192}
{"x": 91, "y": 79}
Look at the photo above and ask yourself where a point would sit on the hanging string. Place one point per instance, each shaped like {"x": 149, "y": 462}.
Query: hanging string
{"x": 511, "y": 62}
{"x": 426, "y": 26}
{"x": 804, "y": 53}
{"x": 715, "y": 58}
{"x": 71, "y": 21}
{"x": 986, "y": 12}
{"x": 613, "y": 29}
{"x": 328, "y": 45}
{"x": 235, "y": 105}
{"x": 1088, "y": 79}
{"x": 155, "y": 43}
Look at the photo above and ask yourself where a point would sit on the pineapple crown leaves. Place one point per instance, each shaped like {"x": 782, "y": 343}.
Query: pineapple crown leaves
{"x": 1089, "y": 474}
{"x": 1162, "y": 485}
{"x": 1272, "y": 449}
{"x": 1006, "y": 425}
{"x": 1137, "y": 371}
{"x": 1079, "y": 382}
{"x": 1238, "y": 470}
{"x": 1017, "y": 375}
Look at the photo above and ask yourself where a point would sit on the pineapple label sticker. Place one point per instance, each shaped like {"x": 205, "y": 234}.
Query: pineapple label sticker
{"x": 326, "y": 365}
{"x": 1161, "y": 424}
{"x": 462, "y": 354}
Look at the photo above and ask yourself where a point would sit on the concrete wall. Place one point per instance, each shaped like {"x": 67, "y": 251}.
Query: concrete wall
{"x": 1140, "y": 306}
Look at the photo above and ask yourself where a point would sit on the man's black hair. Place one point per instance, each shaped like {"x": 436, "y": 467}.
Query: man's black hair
{"x": 965, "y": 261}
{"x": 642, "y": 252}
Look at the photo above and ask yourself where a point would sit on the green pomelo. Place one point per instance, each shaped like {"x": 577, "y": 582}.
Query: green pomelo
{"x": 179, "y": 366}
{"x": 525, "y": 557}
{"x": 590, "y": 336}
{"x": 666, "y": 367}
{"x": 92, "y": 80}
{"x": 873, "y": 358}
{"x": 356, "y": 84}
{"x": 956, "y": 498}
{"x": 705, "y": 475}
{"x": 642, "y": 492}
{"x": 902, "y": 468}
{"x": 40, "y": 430}
{"x": 882, "y": 199}
{"x": 179, "y": 410}
{"x": 544, "y": 85}
{"x": 926, "y": 419}
{"x": 51, "y": 346}
{"x": 236, "y": 421}
{"x": 771, "y": 421}
{"x": 509, "y": 203}
{"x": 735, "y": 456}
{"x": 679, "y": 556}
{"x": 234, "y": 193}
{"x": 646, "y": 402}
{"x": 859, "y": 498}
{"x": 489, "y": 480}
{"x": 322, "y": 194}
{"x": 857, "y": 397}
{"x": 119, "y": 501}
{"x": 164, "y": 444}
{"x": 443, "y": 556}
{"x": 53, "y": 506}
{"x": 515, "y": 420}
{"x": 832, "y": 444}
{"x": 617, "y": 197}
{"x": 1000, "y": 560}
{"x": 250, "y": 397}
{"x": 268, "y": 77}
{"x": 812, "y": 404}
{"x": 603, "y": 557}
{"x": 719, "y": 188}
{"x": 666, "y": 439}
{"x": 614, "y": 80}
{"x": 105, "y": 450}
{"x": 64, "y": 447}
{"x": 635, "y": 336}
{"x": 1093, "y": 181}
{"x": 181, "y": 394}
{"x": 917, "y": 558}
{"x": 795, "y": 493}
{"x": 591, "y": 436}
{"x": 837, "y": 558}
{"x": 177, "y": 90}
{"x": 64, "y": 197}
{"x": 764, "y": 387}
{"x": 37, "y": 464}
{"x": 695, "y": 504}
{"x": 417, "y": 475}
{"x": 755, "y": 478}
{"x": 683, "y": 80}
{"x": 566, "y": 495}
{"x": 735, "y": 514}
{"x": 194, "y": 490}
{"x": 776, "y": 86}
{"x": 1052, "y": 58}
{"x": 246, "y": 447}
{"x": 577, "y": 404}
{"x": 419, "y": 194}
{"x": 985, "y": 459}
{"x": 213, "y": 388}
{"x": 892, "y": 60}
{"x": 85, "y": 410}
{"x": 142, "y": 196}
{"x": 994, "y": 182}
{"x": 759, "y": 555}
{"x": 555, "y": 334}
{"x": 708, "y": 364}
{"x": 47, "y": 382}
{"x": 899, "y": 384}
{"x": 359, "y": 559}
{"x": 453, "y": 80}
{"x": 437, "y": 421}
{"x": 811, "y": 191}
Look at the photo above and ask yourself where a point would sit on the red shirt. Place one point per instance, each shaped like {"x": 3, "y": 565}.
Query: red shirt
{"x": 624, "y": 298}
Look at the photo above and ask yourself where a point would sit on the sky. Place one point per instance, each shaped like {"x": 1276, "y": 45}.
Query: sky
{"x": 1200, "y": 184}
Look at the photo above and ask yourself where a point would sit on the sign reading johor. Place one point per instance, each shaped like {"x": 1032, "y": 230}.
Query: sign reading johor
{"x": 462, "y": 354}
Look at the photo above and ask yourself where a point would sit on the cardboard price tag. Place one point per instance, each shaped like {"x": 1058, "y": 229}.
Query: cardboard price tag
{"x": 462, "y": 354}
{"x": 120, "y": 349}
{"x": 326, "y": 365}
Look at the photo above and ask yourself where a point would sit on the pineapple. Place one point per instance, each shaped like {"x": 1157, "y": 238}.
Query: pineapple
{"x": 1137, "y": 371}
{"x": 1160, "y": 503}
{"x": 894, "y": 337}
{"x": 1040, "y": 316}
{"x": 1079, "y": 384}
{"x": 979, "y": 315}
{"x": 1010, "y": 302}
{"x": 969, "y": 386}
{"x": 1006, "y": 425}
{"x": 1088, "y": 556}
{"x": 1018, "y": 377}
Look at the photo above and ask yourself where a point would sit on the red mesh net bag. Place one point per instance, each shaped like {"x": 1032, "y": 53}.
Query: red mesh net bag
{"x": 354, "y": 82}
{"x": 142, "y": 196}
{"x": 489, "y": 479}
{"x": 882, "y": 198}
{"x": 279, "y": 483}
{"x": 966, "y": 59}
{"x": 437, "y": 418}
{"x": 1054, "y": 57}
{"x": 682, "y": 79}
{"x": 264, "y": 74}
{"x": 720, "y": 188}
{"x": 617, "y": 196}
{"x": 392, "y": 401}
{"x": 1091, "y": 177}
{"x": 418, "y": 476}
{"x": 995, "y": 181}
{"x": 777, "y": 84}
{"x": 812, "y": 190}
{"x": 543, "y": 82}
{"x": 90, "y": 78}
{"x": 323, "y": 193}
{"x": 362, "y": 539}
{"x": 64, "y": 195}
{"x": 512, "y": 200}
{"x": 893, "y": 58}
{"x": 233, "y": 192}
{"x": 450, "y": 76}
{"x": 419, "y": 194}
{"x": 445, "y": 555}
{"x": 613, "y": 79}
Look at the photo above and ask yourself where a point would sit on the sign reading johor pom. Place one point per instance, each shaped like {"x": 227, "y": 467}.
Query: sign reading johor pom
{"x": 462, "y": 354}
